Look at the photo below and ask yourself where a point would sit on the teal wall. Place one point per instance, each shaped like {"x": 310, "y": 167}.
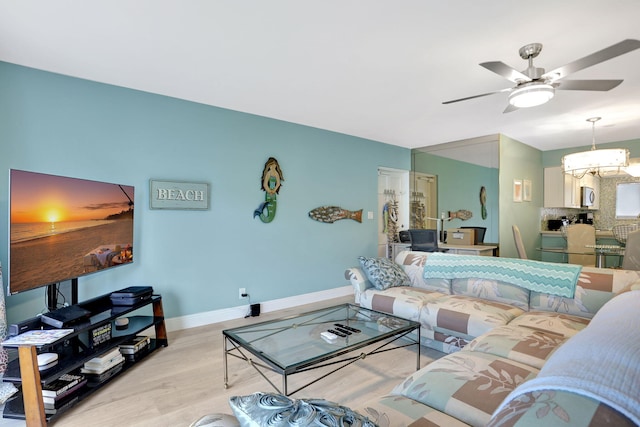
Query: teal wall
{"x": 520, "y": 161}
{"x": 197, "y": 259}
{"x": 459, "y": 188}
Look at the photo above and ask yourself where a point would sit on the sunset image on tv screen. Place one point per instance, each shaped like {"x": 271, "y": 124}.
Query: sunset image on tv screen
{"x": 62, "y": 228}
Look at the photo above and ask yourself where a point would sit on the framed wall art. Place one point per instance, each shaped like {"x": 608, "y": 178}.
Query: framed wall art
{"x": 517, "y": 190}
{"x": 526, "y": 190}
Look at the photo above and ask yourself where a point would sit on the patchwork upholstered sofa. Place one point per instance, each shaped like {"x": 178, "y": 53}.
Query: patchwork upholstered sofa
{"x": 523, "y": 377}
{"x": 452, "y": 312}
{"x": 513, "y": 357}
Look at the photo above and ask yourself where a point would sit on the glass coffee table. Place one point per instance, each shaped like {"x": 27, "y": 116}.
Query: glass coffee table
{"x": 295, "y": 344}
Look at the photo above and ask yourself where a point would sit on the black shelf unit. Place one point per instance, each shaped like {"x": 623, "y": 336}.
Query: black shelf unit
{"x": 74, "y": 350}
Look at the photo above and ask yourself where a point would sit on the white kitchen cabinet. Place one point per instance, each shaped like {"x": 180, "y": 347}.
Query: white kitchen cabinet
{"x": 571, "y": 191}
{"x": 563, "y": 190}
{"x": 560, "y": 190}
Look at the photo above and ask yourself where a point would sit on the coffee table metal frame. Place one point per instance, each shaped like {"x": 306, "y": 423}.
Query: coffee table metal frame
{"x": 398, "y": 333}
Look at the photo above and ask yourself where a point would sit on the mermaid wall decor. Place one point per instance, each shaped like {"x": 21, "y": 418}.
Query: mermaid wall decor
{"x": 271, "y": 181}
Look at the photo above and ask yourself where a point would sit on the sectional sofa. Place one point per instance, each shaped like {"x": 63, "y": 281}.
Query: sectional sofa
{"x": 516, "y": 357}
{"x": 452, "y": 312}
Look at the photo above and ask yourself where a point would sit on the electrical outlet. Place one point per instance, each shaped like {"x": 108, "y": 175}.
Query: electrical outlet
{"x": 242, "y": 293}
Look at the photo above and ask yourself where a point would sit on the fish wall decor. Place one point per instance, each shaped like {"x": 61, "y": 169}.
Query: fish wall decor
{"x": 331, "y": 214}
{"x": 461, "y": 214}
{"x": 270, "y": 183}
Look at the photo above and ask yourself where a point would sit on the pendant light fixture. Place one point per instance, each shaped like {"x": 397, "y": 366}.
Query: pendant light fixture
{"x": 634, "y": 168}
{"x": 605, "y": 162}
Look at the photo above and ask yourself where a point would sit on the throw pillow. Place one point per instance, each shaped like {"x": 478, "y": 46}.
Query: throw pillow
{"x": 384, "y": 273}
{"x": 275, "y": 410}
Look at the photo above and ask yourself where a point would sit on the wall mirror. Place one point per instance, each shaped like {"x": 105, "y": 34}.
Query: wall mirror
{"x": 459, "y": 169}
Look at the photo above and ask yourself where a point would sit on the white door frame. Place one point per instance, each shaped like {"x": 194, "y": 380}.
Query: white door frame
{"x": 392, "y": 184}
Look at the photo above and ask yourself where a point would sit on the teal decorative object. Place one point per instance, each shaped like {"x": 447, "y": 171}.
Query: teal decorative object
{"x": 483, "y": 202}
{"x": 545, "y": 277}
{"x": 271, "y": 181}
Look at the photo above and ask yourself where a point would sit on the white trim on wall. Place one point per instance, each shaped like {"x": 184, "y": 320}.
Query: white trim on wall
{"x": 215, "y": 316}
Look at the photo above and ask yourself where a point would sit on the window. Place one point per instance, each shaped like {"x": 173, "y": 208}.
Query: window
{"x": 627, "y": 200}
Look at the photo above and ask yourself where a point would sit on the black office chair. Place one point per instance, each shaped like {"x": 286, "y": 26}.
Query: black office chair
{"x": 479, "y": 234}
{"x": 424, "y": 240}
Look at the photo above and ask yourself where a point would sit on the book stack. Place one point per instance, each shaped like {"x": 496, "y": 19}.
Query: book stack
{"x": 135, "y": 347}
{"x": 61, "y": 392}
{"x": 102, "y": 367}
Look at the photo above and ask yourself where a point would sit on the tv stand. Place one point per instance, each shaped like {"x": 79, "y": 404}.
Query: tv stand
{"x": 76, "y": 349}
{"x": 53, "y": 290}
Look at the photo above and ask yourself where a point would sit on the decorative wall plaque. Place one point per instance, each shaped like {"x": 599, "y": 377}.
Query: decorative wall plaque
{"x": 178, "y": 195}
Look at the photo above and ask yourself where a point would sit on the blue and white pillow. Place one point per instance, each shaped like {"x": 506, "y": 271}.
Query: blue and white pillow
{"x": 384, "y": 273}
{"x": 275, "y": 410}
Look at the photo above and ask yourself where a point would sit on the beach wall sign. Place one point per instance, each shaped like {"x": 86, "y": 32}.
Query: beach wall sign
{"x": 178, "y": 195}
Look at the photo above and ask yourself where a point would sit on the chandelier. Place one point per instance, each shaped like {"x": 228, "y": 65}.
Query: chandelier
{"x": 634, "y": 168}
{"x": 605, "y": 162}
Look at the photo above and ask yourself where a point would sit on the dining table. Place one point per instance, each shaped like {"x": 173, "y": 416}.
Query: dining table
{"x": 600, "y": 251}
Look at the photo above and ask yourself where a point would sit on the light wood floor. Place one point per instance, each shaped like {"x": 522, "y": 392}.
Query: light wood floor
{"x": 184, "y": 381}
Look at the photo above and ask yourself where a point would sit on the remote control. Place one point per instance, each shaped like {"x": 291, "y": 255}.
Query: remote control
{"x": 348, "y": 328}
{"x": 329, "y": 337}
{"x": 340, "y": 334}
{"x": 344, "y": 331}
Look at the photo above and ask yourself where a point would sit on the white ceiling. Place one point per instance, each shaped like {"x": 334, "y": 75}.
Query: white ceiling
{"x": 371, "y": 68}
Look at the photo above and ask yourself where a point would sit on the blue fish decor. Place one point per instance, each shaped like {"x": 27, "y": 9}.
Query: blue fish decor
{"x": 331, "y": 214}
{"x": 271, "y": 181}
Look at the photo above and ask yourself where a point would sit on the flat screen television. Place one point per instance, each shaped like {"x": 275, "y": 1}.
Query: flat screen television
{"x": 61, "y": 228}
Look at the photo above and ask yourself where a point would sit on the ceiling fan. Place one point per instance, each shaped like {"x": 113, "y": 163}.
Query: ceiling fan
{"x": 535, "y": 87}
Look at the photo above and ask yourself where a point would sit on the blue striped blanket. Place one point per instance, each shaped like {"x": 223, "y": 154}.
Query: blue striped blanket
{"x": 545, "y": 277}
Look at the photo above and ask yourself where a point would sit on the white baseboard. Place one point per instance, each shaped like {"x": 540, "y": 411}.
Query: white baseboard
{"x": 215, "y": 316}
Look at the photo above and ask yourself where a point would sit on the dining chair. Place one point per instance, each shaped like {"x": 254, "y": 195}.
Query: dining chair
{"x": 621, "y": 232}
{"x": 578, "y": 237}
{"x": 631, "y": 260}
{"x": 522, "y": 253}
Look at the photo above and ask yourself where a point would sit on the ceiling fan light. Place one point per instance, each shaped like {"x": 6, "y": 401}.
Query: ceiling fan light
{"x": 531, "y": 95}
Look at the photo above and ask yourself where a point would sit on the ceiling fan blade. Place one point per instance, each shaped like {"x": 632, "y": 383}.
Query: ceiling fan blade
{"x": 601, "y": 85}
{"x": 605, "y": 54}
{"x": 476, "y": 96}
{"x": 506, "y": 71}
{"x": 510, "y": 108}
